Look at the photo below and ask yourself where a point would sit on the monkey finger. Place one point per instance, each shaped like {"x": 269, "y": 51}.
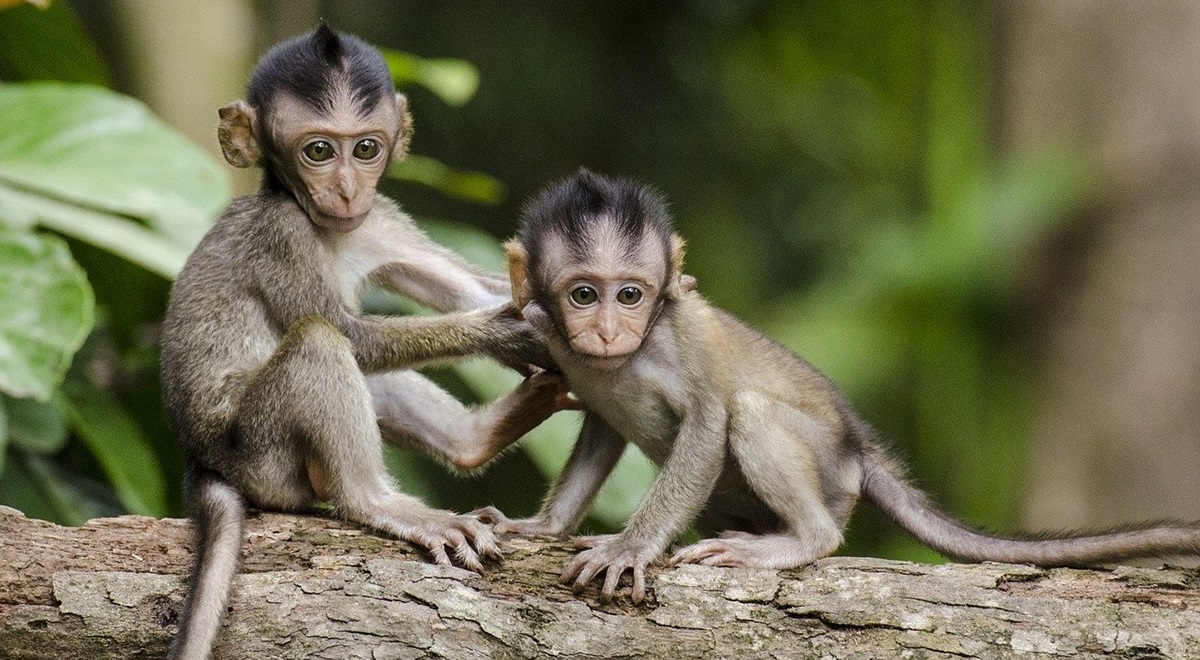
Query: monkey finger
{"x": 567, "y": 402}
{"x": 573, "y": 567}
{"x": 466, "y": 557}
{"x": 585, "y": 576}
{"x": 639, "y": 584}
{"x": 611, "y": 578}
{"x": 585, "y": 542}
{"x": 484, "y": 541}
{"x": 735, "y": 534}
{"x": 438, "y": 550}
{"x": 488, "y": 514}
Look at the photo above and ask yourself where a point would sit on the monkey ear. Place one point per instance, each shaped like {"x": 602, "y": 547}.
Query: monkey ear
{"x": 677, "y": 282}
{"x": 236, "y": 134}
{"x": 404, "y": 130}
{"x": 518, "y": 261}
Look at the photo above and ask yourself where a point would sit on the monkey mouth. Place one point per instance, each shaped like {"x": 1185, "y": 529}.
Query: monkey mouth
{"x": 602, "y": 361}
{"x": 341, "y": 222}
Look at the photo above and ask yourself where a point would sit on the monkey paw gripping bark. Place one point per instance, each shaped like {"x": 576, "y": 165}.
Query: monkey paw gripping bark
{"x": 610, "y": 555}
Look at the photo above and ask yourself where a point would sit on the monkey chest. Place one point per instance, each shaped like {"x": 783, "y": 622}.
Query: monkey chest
{"x": 638, "y": 409}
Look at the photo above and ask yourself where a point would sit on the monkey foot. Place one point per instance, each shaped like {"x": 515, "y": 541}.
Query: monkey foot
{"x": 740, "y": 549}
{"x": 611, "y": 556}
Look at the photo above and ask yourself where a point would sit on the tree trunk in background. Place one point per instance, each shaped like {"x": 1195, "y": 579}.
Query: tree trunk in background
{"x": 318, "y": 588}
{"x": 1118, "y": 429}
{"x": 189, "y": 59}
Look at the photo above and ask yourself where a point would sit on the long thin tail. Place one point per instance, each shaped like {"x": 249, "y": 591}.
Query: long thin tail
{"x": 218, "y": 515}
{"x": 911, "y": 509}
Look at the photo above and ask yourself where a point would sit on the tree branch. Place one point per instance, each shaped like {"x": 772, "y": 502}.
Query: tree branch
{"x": 312, "y": 587}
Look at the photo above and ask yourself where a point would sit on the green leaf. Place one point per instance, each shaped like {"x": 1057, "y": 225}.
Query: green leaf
{"x": 113, "y": 437}
{"x": 453, "y": 80}
{"x": 475, "y": 245}
{"x": 42, "y": 488}
{"x": 46, "y": 311}
{"x": 49, "y": 44}
{"x": 472, "y": 186}
{"x": 89, "y": 147}
{"x": 36, "y": 426}
{"x": 123, "y": 237}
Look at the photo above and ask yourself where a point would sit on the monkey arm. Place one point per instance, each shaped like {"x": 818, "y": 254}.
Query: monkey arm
{"x": 685, "y": 481}
{"x": 684, "y": 484}
{"x": 381, "y": 344}
{"x": 417, "y": 267}
{"x": 593, "y": 458}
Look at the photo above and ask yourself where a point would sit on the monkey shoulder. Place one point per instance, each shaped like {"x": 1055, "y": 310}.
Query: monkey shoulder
{"x": 757, "y": 363}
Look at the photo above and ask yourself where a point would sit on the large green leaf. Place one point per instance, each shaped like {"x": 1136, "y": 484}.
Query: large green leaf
{"x": 121, "y": 448}
{"x": 46, "y": 309}
{"x": 34, "y": 425}
{"x": 48, "y": 44}
{"x": 88, "y": 147}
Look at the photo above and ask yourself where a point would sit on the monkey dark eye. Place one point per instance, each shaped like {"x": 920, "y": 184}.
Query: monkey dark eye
{"x": 318, "y": 151}
{"x": 584, "y": 295}
{"x": 630, "y": 295}
{"x": 366, "y": 149}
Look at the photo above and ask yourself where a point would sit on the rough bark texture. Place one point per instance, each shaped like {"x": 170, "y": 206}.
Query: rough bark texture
{"x": 318, "y": 588}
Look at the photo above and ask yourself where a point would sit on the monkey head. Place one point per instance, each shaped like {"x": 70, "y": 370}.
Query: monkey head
{"x": 593, "y": 264}
{"x": 323, "y": 118}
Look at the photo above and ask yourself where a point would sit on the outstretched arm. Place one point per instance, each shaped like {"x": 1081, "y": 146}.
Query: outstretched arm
{"x": 685, "y": 483}
{"x": 397, "y": 255}
{"x": 593, "y": 458}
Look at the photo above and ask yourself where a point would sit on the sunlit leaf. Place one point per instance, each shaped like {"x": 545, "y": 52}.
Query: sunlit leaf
{"x": 48, "y": 42}
{"x": 473, "y": 186}
{"x": 46, "y": 311}
{"x": 453, "y": 80}
{"x": 121, "y": 236}
{"x": 92, "y": 148}
{"x": 118, "y": 445}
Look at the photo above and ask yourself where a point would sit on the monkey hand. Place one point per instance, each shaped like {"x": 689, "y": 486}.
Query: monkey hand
{"x": 516, "y": 343}
{"x": 502, "y": 524}
{"x": 435, "y": 530}
{"x": 613, "y": 555}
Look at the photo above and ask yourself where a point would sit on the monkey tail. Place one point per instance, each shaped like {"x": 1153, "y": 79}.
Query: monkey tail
{"x": 218, "y": 514}
{"x": 885, "y": 487}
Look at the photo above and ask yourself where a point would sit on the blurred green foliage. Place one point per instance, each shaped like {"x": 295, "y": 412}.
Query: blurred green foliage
{"x": 831, "y": 165}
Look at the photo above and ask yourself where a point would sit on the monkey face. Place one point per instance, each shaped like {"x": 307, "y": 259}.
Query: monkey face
{"x": 608, "y": 300}
{"x": 333, "y": 158}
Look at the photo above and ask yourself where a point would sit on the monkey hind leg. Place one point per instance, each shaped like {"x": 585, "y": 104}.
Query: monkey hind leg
{"x": 218, "y": 515}
{"x": 310, "y": 418}
{"x": 777, "y": 449}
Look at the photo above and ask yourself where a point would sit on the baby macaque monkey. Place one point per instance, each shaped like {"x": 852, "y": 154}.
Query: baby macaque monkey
{"x": 276, "y": 384}
{"x": 756, "y": 446}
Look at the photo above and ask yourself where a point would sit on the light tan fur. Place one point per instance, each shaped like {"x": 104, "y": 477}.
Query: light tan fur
{"x": 756, "y": 447}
